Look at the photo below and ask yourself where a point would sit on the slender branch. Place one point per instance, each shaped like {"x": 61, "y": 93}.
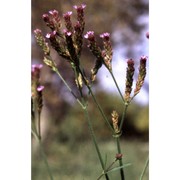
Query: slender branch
{"x": 77, "y": 99}
{"x": 103, "y": 173}
{"x": 96, "y": 102}
{"x": 100, "y": 109}
{"x": 110, "y": 71}
{"x": 120, "y": 160}
{"x": 94, "y": 140}
{"x": 123, "y": 116}
{"x": 45, "y": 159}
{"x": 144, "y": 169}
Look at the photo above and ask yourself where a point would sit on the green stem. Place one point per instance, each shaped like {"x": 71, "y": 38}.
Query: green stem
{"x": 94, "y": 140}
{"x": 95, "y": 100}
{"x": 42, "y": 153}
{"x": 110, "y": 71}
{"x": 144, "y": 169}
{"x": 63, "y": 80}
{"x": 123, "y": 117}
{"x": 100, "y": 109}
{"x": 45, "y": 159}
{"x": 120, "y": 160}
{"x": 107, "y": 169}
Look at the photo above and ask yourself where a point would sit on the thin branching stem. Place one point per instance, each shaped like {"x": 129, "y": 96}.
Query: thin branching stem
{"x": 108, "y": 168}
{"x": 68, "y": 87}
{"x": 123, "y": 116}
{"x": 114, "y": 79}
{"x": 120, "y": 160}
{"x": 96, "y": 102}
{"x": 100, "y": 109}
{"x": 144, "y": 169}
{"x": 94, "y": 139}
{"x": 45, "y": 159}
{"x": 36, "y": 135}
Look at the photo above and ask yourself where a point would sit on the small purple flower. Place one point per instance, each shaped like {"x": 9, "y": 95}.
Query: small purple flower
{"x": 40, "y": 88}
{"x": 36, "y": 67}
{"x": 51, "y": 35}
{"x": 54, "y": 13}
{"x": 90, "y": 36}
{"x": 67, "y": 15}
{"x": 105, "y": 36}
{"x": 67, "y": 33}
{"x": 81, "y": 7}
{"x": 37, "y": 31}
{"x": 45, "y": 17}
{"x": 143, "y": 58}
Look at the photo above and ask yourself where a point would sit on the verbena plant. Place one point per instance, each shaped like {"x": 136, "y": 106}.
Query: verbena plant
{"x": 68, "y": 44}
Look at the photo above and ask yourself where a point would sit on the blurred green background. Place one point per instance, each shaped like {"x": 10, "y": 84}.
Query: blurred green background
{"x": 66, "y": 139}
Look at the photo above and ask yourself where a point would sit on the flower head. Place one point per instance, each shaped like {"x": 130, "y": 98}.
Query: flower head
{"x": 51, "y": 35}
{"x": 67, "y": 15}
{"x": 105, "y": 36}
{"x": 90, "y": 36}
{"x": 40, "y": 88}
{"x": 54, "y": 13}
{"x": 45, "y": 17}
{"x": 80, "y": 8}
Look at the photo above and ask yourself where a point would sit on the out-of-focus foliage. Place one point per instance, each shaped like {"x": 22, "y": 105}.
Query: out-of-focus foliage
{"x": 79, "y": 160}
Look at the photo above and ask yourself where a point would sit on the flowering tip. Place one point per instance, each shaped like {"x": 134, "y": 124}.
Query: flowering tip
{"x": 37, "y": 31}
{"x": 45, "y": 17}
{"x": 147, "y": 35}
{"x": 82, "y": 6}
{"x": 67, "y": 33}
{"x": 53, "y": 12}
{"x": 89, "y": 35}
{"x": 130, "y": 62}
{"x": 105, "y": 36}
{"x": 51, "y": 35}
{"x": 40, "y": 88}
{"x": 68, "y": 14}
{"x": 36, "y": 66}
{"x": 144, "y": 58}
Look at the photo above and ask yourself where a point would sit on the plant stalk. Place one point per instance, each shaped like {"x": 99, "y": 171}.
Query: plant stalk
{"x": 120, "y": 160}
{"x": 144, "y": 169}
{"x": 63, "y": 80}
{"x": 94, "y": 140}
{"x": 45, "y": 159}
{"x": 110, "y": 71}
{"x": 123, "y": 117}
